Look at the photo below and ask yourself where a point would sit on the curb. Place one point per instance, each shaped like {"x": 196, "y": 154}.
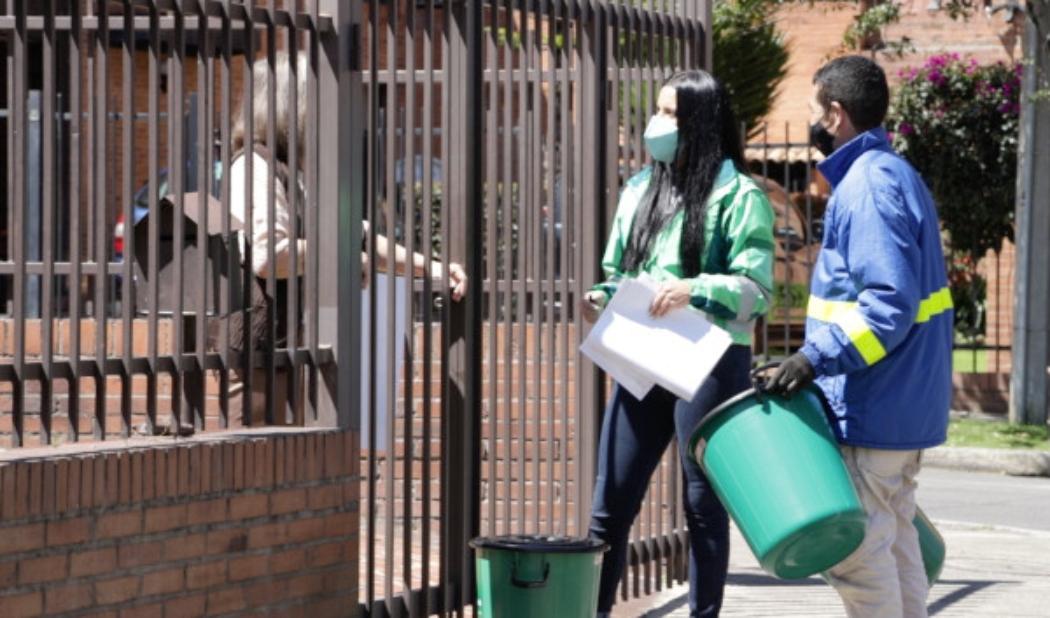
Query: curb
{"x": 1002, "y": 461}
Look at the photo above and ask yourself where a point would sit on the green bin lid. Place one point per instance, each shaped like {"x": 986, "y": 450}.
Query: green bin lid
{"x": 540, "y": 543}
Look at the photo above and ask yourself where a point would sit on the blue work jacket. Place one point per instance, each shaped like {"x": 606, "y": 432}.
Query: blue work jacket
{"x": 880, "y": 320}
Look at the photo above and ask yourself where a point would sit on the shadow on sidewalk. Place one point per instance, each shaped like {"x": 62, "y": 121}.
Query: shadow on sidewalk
{"x": 967, "y": 587}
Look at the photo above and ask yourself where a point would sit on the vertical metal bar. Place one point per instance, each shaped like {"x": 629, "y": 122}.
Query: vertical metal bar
{"x": 204, "y": 167}
{"x": 371, "y": 197}
{"x": 492, "y": 261}
{"x": 446, "y": 546}
{"x": 428, "y": 315}
{"x": 523, "y": 272}
{"x": 153, "y": 223}
{"x": 408, "y": 226}
{"x": 247, "y": 270}
{"x": 100, "y": 203}
{"x": 127, "y": 173}
{"x": 177, "y": 171}
{"x": 75, "y": 298}
{"x": 765, "y": 179}
{"x": 548, "y": 95}
{"x": 535, "y": 197}
{"x": 226, "y": 298}
{"x": 295, "y": 209}
{"x": 390, "y": 128}
{"x": 48, "y": 208}
{"x": 510, "y": 310}
{"x": 271, "y": 214}
{"x": 312, "y": 231}
{"x": 564, "y": 19}
{"x": 17, "y": 136}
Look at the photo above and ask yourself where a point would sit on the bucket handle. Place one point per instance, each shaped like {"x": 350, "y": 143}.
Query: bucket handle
{"x": 758, "y": 378}
{"x": 524, "y": 583}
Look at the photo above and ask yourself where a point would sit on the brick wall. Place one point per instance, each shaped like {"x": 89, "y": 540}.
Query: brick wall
{"x": 262, "y": 521}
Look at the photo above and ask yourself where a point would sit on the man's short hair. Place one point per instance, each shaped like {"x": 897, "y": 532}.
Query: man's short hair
{"x": 859, "y": 85}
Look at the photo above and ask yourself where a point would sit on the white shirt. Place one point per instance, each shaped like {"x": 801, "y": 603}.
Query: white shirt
{"x": 261, "y": 229}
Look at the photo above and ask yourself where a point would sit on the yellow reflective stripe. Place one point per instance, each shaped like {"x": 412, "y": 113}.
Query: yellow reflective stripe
{"x": 938, "y": 302}
{"x": 832, "y": 310}
{"x": 863, "y": 338}
{"x": 828, "y": 310}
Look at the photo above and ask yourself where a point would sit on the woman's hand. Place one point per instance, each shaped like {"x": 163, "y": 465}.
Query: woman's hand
{"x": 457, "y": 280}
{"x": 671, "y": 295}
{"x": 591, "y": 305}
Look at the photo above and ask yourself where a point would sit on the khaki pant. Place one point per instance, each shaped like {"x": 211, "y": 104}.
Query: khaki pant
{"x": 884, "y": 577}
{"x": 258, "y": 399}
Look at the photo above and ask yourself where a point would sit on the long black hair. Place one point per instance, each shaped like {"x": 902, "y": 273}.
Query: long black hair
{"x": 707, "y": 135}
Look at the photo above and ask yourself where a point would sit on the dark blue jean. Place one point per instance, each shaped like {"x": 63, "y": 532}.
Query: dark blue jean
{"x": 634, "y": 436}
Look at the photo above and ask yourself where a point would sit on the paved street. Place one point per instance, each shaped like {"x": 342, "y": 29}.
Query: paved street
{"x": 997, "y": 530}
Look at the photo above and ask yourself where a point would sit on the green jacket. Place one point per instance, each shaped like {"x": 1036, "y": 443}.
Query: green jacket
{"x": 736, "y": 280}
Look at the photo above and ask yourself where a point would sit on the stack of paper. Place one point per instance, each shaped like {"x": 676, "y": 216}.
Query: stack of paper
{"x": 676, "y": 351}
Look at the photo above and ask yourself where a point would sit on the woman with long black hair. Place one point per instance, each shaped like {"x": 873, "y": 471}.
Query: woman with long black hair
{"x": 695, "y": 221}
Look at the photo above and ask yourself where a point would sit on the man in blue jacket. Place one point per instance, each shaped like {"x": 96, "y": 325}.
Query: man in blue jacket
{"x": 878, "y": 332}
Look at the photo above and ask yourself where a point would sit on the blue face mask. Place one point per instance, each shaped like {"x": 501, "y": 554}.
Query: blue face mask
{"x": 661, "y": 138}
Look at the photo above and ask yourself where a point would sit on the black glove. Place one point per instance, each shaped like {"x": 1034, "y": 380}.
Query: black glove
{"x": 792, "y": 375}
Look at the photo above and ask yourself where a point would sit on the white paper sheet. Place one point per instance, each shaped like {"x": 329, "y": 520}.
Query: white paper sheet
{"x": 676, "y": 351}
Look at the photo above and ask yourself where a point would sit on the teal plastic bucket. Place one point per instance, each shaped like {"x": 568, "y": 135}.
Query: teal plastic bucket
{"x": 932, "y": 545}
{"x": 777, "y": 468}
{"x": 538, "y": 576}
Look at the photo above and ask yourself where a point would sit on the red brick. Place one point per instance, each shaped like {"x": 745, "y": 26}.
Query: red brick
{"x": 341, "y": 524}
{"x": 21, "y": 538}
{"x": 93, "y": 562}
{"x": 137, "y": 462}
{"x": 68, "y": 531}
{"x": 262, "y": 474}
{"x": 186, "y": 606}
{"x": 7, "y": 574}
{"x": 280, "y": 461}
{"x": 50, "y": 487}
{"x": 183, "y": 472}
{"x": 21, "y": 498}
{"x": 49, "y": 569}
{"x": 62, "y": 486}
{"x": 325, "y": 497}
{"x": 304, "y": 530}
{"x": 206, "y": 575}
{"x": 306, "y": 585}
{"x": 326, "y": 554}
{"x": 28, "y": 604}
{"x": 249, "y": 567}
{"x": 117, "y": 590}
{"x": 149, "y": 475}
{"x": 163, "y": 518}
{"x": 163, "y": 582}
{"x": 266, "y": 592}
{"x": 171, "y": 474}
{"x": 68, "y": 598}
{"x": 112, "y": 486}
{"x": 7, "y": 492}
{"x": 184, "y": 547}
{"x": 131, "y": 555}
{"x": 119, "y": 525}
{"x": 206, "y": 511}
{"x": 153, "y": 610}
{"x": 287, "y": 501}
{"x": 288, "y": 561}
{"x": 225, "y": 600}
{"x": 201, "y": 470}
{"x": 248, "y": 506}
{"x": 87, "y": 482}
{"x": 36, "y": 488}
{"x": 226, "y": 541}
{"x": 239, "y": 450}
{"x": 124, "y": 475}
{"x": 266, "y": 535}
{"x": 194, "y": 470}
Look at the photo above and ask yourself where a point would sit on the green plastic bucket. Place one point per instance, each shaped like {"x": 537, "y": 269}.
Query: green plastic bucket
{"x": 931, "y": 543}
{"x": 537, "y": 576}
{"x": 776, "y": 466}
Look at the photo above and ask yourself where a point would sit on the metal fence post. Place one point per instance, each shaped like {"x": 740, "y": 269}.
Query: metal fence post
{"x": 340, "y": 202}
{"x": 1029, "y": 381}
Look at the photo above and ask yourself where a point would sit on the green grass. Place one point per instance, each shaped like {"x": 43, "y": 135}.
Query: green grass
{"x": 969, "y": 361}
{"x": 996, "y": 434}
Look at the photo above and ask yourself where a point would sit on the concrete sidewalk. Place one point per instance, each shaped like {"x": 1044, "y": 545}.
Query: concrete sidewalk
{"x": 990, "y": 571}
